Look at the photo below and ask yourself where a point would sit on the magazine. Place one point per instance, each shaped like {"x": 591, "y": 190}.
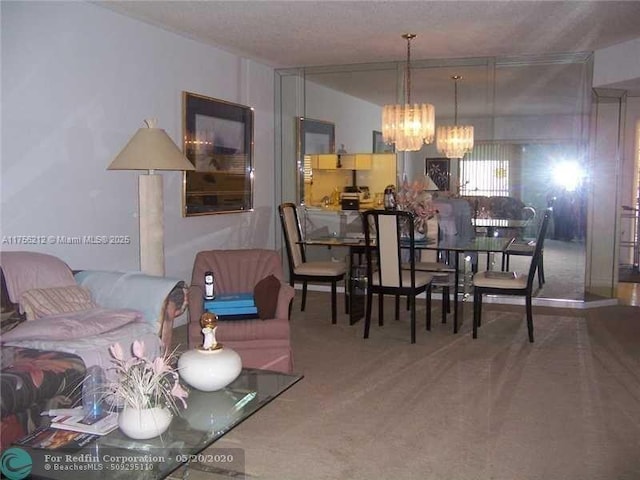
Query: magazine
{"x": 52, "y": 439}
{"x": 100, "y": 425}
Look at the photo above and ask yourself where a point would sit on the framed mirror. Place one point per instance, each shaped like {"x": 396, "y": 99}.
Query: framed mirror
{"x": 218, "y": 140}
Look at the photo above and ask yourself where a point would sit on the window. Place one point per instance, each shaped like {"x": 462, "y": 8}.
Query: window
{"x": 485, "y": 171}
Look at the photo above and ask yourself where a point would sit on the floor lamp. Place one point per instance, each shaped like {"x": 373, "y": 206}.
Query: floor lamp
{"x": 151, "y": 149}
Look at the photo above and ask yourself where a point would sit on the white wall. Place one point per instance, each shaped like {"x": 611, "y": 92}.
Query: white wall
{"x": 354, "y": 119}
{"x": 618, "y": 63}
{"x": 77, "y": 82}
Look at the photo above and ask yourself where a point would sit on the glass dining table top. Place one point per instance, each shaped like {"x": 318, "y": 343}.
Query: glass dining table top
{"x": 453, "y": 243}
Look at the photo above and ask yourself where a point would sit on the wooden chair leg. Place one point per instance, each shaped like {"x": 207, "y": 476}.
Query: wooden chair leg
{"x": 380, "y": 309}
{"x": 428, "y": 295}
{"x": 397, "y": 311}
{"x": 304, "y": 296}
{"x": 477, "y": 308}
{"x": 334, "y": 300}
{"x": 529, "y": 317}
{"x": 413, "y": 319}
{"x": 541, "y": 279}
{"x": 347, "y": 294}
{"x": 445, "y": 302}
{"x": 367, "y": 316}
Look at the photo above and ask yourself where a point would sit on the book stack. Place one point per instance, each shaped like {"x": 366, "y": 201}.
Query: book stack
{"x": 237, "y": 306}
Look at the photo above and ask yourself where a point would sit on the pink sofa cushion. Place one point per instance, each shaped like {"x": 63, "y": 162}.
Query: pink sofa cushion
{"x": 236, "y": 330}
{"x": 27, "y": 270}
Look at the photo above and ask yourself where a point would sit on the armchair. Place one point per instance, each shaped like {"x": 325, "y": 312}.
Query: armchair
{"x": 261, "y": 343}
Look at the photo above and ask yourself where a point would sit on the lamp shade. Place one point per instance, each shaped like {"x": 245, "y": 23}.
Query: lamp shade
{"x": 430, "y": 185}
{"x": 151, "y": 149}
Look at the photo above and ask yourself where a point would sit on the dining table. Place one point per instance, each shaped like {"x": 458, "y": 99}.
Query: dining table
{"x": 452, "y": 247}
{"x": 496, "y": 226}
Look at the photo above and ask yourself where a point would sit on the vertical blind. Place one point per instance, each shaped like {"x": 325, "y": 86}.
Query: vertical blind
{"x": 486, "y": 169}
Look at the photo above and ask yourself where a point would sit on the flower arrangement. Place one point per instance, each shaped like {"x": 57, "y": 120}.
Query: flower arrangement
{"x": 143, "y": 383}
{"x": 414, "y": 198}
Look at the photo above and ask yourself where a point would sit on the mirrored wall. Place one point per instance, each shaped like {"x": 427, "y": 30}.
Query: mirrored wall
{"x": 537, "y": 108}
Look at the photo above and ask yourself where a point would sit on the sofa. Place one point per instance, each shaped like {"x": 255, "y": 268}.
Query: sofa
{"x": 262, "y": 343}
{"x": 498, "y": 207}
{"x": 502, "y": 208}
{"x": 56, "y": 323}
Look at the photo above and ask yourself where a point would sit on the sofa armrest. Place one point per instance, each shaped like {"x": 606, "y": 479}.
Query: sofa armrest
{"x": 159, "y": 299}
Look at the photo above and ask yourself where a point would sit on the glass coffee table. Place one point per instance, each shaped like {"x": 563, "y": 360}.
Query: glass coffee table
{"x": 208, "y": 416}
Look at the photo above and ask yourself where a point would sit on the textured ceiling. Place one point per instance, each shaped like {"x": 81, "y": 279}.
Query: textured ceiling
{"x": 306, "y": 33}
{"x": 316, "y": 33}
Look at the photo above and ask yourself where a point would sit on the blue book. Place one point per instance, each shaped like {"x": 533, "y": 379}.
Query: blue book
{"x": 232, "y": 311}
{"x": 230, "y": 301}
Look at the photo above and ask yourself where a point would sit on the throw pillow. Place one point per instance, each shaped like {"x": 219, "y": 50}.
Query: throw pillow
{"x": 41, "y": 302}
{"x": 265, "y": 296}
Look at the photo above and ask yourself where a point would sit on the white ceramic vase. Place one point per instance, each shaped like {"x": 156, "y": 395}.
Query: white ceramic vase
{"x": 209, "y": 370}
{"x": 145, "y": 423}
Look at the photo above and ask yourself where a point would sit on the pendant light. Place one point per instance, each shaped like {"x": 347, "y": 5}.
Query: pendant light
{"x": 455, "y": 140}
{"x": 408, "y": 126}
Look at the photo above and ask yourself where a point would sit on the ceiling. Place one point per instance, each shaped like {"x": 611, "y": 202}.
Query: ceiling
{"x": 315, "y": 33}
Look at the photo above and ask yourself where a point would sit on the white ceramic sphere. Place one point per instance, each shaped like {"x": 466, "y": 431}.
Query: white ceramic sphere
{"x": 209, "y": 370}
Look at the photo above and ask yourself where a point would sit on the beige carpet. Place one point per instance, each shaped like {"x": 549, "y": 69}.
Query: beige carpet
{"x": 449, "y": 407}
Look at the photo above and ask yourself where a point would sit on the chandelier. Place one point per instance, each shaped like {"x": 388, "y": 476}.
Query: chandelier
{"x": 455, "y": 140}
{"x": 408, "y": 126}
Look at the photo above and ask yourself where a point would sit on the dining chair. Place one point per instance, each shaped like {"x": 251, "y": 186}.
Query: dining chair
{"x": 524, "y": 249}
{"x": 442, "y": 271}
{"x": 509, "y": 283}
{"x": 385, "y": 272}
{"x": 302, "y": 270}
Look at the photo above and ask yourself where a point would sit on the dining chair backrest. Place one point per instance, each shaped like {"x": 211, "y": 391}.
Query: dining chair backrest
{"x": 292, "y": 234}
{"x": 537, "y": 252}
{"x": 387, "y": 255}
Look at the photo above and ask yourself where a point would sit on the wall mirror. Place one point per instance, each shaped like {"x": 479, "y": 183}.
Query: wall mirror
{"x": 538, "y": 108}
{"x": 313, "y": 136}
{"x": 218, "y": 140}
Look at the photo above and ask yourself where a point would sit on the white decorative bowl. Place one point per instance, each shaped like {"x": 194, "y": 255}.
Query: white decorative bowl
{"x": 209, "y": 370}
{"x": 144, "y": 424}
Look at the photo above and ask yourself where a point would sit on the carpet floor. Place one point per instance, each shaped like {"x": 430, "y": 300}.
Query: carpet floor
{"x": 450, "y": 407}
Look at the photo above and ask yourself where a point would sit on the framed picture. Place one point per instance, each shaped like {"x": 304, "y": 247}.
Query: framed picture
{"x": 218, "y": 140}
{"x": 316, "y": 136}
{"x": 379, "y": 146}
{"x": 438, "y": 170}
{"x": 313, "y": 136}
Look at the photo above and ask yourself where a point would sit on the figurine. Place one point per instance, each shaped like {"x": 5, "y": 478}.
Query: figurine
{"x": 208, "y": 322}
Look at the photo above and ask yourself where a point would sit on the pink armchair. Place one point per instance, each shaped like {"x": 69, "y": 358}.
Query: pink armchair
{"x": 262, "y": 344}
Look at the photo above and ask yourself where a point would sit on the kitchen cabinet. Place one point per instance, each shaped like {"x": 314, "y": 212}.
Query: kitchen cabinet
{"x": 356, "y": 161}
{"x": 324, "y": 161}
{"x": 348, "y": 161}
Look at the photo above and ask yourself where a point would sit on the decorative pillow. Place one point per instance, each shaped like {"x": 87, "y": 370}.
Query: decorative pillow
{"x": 265, "y": 296}
{"x": 41, "y": 302}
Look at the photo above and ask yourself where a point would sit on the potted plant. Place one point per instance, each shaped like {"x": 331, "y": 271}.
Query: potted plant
{"x": 149, "y": 391}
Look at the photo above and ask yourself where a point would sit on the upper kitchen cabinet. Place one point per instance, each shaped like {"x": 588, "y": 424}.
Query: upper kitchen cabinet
{"x": 356, "y": 161}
